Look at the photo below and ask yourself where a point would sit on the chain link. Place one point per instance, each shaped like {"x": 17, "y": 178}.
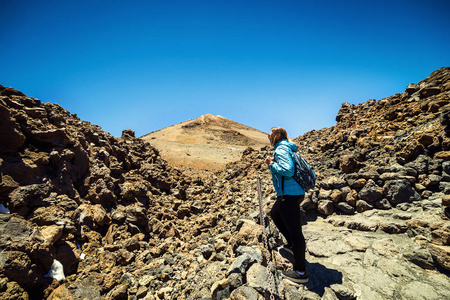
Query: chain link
{"x": 266, "y": 244}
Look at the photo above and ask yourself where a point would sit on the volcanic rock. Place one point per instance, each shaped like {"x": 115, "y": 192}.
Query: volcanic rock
{"x": 125, "y": 224}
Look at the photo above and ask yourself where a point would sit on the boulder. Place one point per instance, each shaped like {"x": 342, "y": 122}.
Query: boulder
{"x": 444, "y": 187}
{"x": 383, "y": 204}
{"x": 93, "y": 216}
{"x": 206, "y": 250}
{"x": 371, "y": 192}
{"x": 429, "y": 91}
{"x": 362, "y": 206}
{"x": 249, "y": 234}
{"x": 253, "y": 251}
{"x": 420, "y": 164}
{"x": 345, "y": 208}
{"x": 68, "y": 255}
{"x": 348, "y": 163}
{"x": 324, "y": 194}
{"x": 420, "y": 256}
{"x": 245, "y": 293}
{"x": 17, "y": 266}
{"x": 446, "y": 200}
{"x": 335, "y": 182}
{"x": 351, "y": 198}
{"x": 80, "y": 289}
{"x": 343, "y": 111}
{"x": 441, "y": 255}
{"x": 412, "y": 88}
{"x": 240, "y": 264}
{"x": 11, "y": 290}
{"x": 328, "y": 247}
{"x": 400, "y": 191}
{"x": 257, "y": 277}
{"x": 369, "y": 172}
{"x": 325, "y": 207}
{"x": 51, "y": 234}
{"x": 358, "y": 183}
{"x": 52, "y": 137}
{"x": 28, "y": 196}
{"x": 336, "y": 196}
{"x": 11, "y": 138}
{"x": 393, "y": 227}
{"x": 343, "y": 292}
{"x": 128, "y": 133}
{"x": 441, "y": 236}
{"x": 220, "y": 289}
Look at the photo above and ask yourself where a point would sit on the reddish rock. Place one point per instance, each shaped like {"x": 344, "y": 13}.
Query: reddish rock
{"x": 348, "y": 163}
{"x": 441, "y": 255}
{"x": 445, "y": 155}
{"x": 336, "y": 196}
{"x": 351, "y": 198}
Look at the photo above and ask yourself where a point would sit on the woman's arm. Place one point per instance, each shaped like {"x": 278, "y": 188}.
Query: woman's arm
{"x": 283, "y": 163}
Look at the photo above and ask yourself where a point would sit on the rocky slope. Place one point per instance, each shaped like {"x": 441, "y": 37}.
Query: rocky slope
{"x": 79, "y": 196}
{"x": 125, "y": 225}
{"x": 388, "y": 153}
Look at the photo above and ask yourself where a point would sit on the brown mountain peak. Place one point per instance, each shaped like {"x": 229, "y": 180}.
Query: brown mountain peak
{"x": 207, "y": 142}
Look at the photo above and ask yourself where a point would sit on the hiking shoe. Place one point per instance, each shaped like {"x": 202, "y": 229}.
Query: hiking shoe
{"x": 294, "y": 276}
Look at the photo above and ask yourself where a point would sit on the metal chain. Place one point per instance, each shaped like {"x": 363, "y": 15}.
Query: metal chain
{"x": 266, "y": 244}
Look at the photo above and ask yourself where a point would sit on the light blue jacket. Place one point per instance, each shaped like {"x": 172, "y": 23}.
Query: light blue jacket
{"x": 284, "y": 166}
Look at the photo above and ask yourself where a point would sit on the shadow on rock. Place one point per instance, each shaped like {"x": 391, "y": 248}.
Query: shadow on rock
{"x": 321, "y": 277}
{"x": 309, "y": 216}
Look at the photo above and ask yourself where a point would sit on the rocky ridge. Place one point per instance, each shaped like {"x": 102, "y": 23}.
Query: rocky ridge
{"x": 125, "y": 225}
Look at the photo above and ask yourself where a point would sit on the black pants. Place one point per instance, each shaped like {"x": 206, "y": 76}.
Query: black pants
{"x": 286, "y": 215}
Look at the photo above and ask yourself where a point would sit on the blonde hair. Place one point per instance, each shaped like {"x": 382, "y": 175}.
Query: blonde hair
{"x": 277, "y": 134}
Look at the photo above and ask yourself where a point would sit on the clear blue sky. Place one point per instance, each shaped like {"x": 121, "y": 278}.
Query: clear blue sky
{"x": 146, "y": 65}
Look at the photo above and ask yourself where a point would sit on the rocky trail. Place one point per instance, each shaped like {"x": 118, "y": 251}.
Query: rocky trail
{"x": 85, "y": 215}
{"x": 347, "y": 263}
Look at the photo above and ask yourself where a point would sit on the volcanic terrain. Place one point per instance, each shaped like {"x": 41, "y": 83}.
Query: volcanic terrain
{"x": 86, "y": 215}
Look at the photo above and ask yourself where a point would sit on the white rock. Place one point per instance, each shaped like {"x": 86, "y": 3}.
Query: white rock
{"x": 56, "y": 271}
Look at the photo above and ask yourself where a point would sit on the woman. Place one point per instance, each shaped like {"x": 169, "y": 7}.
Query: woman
{"x": 285, "y": 212}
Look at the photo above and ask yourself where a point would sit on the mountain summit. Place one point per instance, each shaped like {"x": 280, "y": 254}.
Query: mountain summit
{"x": 208, "y": 142}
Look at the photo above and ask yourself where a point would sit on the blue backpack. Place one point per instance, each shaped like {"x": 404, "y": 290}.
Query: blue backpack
{"x": 304, "y": 173}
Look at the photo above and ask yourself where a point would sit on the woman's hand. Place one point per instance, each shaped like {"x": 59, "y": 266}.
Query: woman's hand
{"x": 269, "y": 160}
